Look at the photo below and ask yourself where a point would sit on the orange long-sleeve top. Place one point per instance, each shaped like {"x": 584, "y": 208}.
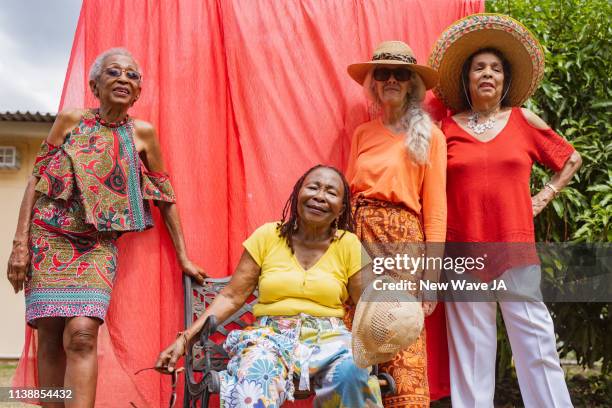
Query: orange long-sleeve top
{"x": 380, "y": 167}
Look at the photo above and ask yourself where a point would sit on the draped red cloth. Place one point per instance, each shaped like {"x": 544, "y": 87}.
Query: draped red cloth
{"x": 245, "y": 95}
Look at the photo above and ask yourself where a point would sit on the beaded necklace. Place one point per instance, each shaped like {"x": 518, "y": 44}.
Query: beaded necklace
{"x": 480, "y": 128}
{"x": 111, "y": 124}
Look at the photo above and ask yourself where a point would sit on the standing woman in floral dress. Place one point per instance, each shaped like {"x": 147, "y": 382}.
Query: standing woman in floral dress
{"x": 92, "y": 182}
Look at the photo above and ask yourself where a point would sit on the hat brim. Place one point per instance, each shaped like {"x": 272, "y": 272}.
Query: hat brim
{"x": 360, "y": 71}
{"x": 466, "y": 36}
{"x": 361, "y": 350}
{"x": 370, "y": 345}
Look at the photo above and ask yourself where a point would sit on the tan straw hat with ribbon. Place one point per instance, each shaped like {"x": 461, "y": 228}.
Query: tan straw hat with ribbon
{"x": 385, "y": 323}
{"x": 393, "y": 53}
{"x": 466, "y": 36}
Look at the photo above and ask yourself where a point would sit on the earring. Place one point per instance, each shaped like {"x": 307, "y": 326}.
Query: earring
{"x": 336, "y": 224}
{"x": 295, "y": 225}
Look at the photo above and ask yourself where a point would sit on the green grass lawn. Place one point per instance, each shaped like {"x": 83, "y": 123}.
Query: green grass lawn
{"x": 588, "y": 389}
{"x": 7, "y": 369}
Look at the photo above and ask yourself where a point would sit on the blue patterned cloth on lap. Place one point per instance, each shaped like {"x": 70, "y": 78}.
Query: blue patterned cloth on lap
{"x": 266, "y": 357}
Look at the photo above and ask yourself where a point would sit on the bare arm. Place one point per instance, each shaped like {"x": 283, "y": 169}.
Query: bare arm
{"x": 19, "y": 260}
{"x": 557, "y": 182}
{"x": 434, "y": 215}
{"x": 172, "y": 221}
{"x": 228, "y": 301}
{"x": 148, "y": 144}
{"x": 357, "y": 283}
{"x": 560, "y": 179}
{"x": 434, "y": 251}
{"x": 564, "y": 176}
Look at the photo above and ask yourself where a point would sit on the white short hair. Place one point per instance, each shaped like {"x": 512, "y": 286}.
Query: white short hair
{"x": 96, "y": 68}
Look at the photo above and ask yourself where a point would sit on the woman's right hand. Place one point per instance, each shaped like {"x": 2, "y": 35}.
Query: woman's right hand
{"x": 18, "y": 263}
{"x": 166, "y": 362}
{"x": 429, "y": 307}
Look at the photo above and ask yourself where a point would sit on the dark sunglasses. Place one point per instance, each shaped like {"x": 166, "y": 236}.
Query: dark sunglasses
{"x": 174, "y": 375}
{"x": 116, "y": 73}
{"x": 400, "y": 74}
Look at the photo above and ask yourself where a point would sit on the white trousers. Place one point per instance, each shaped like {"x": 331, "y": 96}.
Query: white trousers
{"x": 472, "y": 344}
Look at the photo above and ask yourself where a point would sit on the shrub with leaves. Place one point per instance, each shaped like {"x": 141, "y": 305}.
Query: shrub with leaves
{"x": 575, "y": 99}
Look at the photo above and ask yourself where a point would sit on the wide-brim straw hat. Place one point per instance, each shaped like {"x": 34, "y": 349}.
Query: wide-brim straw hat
{"x": 466, "y": 36}
{"x": 385, "y": 323}
{"x": 393, "y": 53}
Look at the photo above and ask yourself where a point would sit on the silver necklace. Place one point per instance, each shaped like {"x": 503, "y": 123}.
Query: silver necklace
{"x": 480, "y": 128}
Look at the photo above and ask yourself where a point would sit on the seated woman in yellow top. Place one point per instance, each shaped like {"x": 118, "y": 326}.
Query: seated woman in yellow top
{"x": 306, "y": 266}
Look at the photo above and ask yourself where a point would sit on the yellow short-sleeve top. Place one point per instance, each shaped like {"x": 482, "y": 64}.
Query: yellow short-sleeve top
{"x": 286, "y": 288}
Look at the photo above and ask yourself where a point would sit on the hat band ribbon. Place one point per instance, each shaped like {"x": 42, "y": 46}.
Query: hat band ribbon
{"x": 398, "y": 57}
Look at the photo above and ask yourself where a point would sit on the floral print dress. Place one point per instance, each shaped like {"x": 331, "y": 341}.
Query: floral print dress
{"x": 92, "y": 189}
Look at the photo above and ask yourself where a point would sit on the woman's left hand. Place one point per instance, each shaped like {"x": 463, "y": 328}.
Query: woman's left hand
{"x": 196, "y": 272}
{"x": 541, "y": 200}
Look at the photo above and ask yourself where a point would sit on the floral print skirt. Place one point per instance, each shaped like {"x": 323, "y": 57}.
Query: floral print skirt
{"x": 267, "y": 357}
{"x": 386, "y": 229}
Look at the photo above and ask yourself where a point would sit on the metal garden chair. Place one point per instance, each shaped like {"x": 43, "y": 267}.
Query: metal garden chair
{"x": 206, "y": 357}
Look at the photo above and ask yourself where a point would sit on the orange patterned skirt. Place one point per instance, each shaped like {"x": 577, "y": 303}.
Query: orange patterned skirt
{"x": 383, "y": 227}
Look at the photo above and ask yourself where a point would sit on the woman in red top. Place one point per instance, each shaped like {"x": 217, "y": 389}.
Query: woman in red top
{"x": 489, "y": 65}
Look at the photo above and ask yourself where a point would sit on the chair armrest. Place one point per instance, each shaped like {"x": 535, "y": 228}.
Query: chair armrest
{"x": 387, "y": 384}
{"x": 202, "y": 376}
{"x": 210, "y": 325}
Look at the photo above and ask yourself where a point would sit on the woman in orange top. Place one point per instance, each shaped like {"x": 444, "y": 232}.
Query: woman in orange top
{"x": 397, "y": 172}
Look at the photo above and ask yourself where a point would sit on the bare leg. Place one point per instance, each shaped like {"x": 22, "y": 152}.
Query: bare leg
{"x": 81, "y": 346}
{"x": 51, "y": 356}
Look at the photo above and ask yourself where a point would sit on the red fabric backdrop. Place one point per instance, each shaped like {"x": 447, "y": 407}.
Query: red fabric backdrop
{"x": 246, "y": 95}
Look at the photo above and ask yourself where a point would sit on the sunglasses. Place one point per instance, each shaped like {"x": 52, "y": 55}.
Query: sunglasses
{"x": 400, "y": 74}
{"x": 174, "y": 375}
{"x": 116, "y": 73}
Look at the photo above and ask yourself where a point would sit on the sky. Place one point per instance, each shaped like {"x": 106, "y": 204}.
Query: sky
{"x": 35, "y": 42}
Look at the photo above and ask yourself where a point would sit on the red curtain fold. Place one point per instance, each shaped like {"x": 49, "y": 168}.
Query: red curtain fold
{"x": 245, "y": 95}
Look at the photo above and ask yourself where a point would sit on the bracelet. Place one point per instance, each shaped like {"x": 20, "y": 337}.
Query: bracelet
{"x": 552, "y": 188}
